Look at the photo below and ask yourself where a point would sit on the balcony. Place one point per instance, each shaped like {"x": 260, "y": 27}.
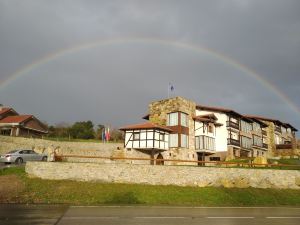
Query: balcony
{"x": 257, "y": 145}
{"x": 278, "y": 129}
{"x": 265, "y": 146}
{"x": 233, "y": 125}
{"x": 284, "y": 146}
{"x": 264, "y": 132}
{"x": 233, "y": 142}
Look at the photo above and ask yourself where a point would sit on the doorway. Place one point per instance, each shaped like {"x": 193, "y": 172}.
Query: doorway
{"x": 159, "y": 160}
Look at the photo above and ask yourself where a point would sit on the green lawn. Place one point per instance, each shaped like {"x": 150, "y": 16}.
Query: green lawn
{"x": 86, "y": 193}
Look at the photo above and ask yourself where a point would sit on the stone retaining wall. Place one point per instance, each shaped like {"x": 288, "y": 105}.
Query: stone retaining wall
{"x": 166, "y": 175}
{"x": 75, "y": 148}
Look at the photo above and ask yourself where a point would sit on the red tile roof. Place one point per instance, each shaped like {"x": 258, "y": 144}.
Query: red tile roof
{"x": 16, "y": 119}
{"x": 145, "y": 126}
{"x": 217, "y": 109}
{"x": 4, "y": 110}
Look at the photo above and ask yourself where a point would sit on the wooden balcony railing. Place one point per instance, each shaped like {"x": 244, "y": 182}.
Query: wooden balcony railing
{"x": 278, "y": 129}
{"x": 284, "y": 146}
{"x": 233, "y": 142}
{"x": 233, "y": 125}
{"x": 258, "y": 145}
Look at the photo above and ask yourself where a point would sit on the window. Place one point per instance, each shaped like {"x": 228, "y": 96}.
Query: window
{"x": 256, "y": 127}
{"x": 184, "y": 120}
{"x": 197, "y": 144}
{"x": 210, "y": 128}
{"x": 257, "y": 141}
{"x": 205, "y": 142}
{"x": 136, "y": 136}
{"x": 246, "y": 142}
{"x": 233, "y": 135}
{"x": 161, "y": 137}
{"x": 184, "y": 141}
{"x": 172, "y": 119}
{"x": 246, "y": 127}
{"x": 173, "y": 140}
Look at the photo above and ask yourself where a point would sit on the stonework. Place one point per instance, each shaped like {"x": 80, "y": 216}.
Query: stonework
{"x": 73, "y": 148}
{"x": 158, "y": 112}
{"x": 166, "y": 175}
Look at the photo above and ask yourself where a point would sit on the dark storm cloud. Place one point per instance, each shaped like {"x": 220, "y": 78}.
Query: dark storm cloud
{"x": 114, "y": 84}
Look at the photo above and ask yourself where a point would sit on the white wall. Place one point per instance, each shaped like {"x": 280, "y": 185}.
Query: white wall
{"x": 221, "y": 132}
{"x": 146, "y": 144}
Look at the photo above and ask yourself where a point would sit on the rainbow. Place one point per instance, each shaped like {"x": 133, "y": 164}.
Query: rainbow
{"x": 177, "y": 44}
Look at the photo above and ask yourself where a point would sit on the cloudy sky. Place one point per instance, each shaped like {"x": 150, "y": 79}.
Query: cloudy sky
{"x": 72, "y": 60}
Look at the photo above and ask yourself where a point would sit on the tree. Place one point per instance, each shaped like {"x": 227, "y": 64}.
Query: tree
{"x": 83, "y": 130}
{"x": 116, "y": 135}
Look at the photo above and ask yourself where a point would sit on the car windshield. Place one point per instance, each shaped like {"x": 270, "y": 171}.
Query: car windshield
{"x": 12, "y": 151}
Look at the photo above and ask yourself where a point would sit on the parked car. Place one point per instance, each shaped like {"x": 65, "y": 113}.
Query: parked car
{"x": 20, "y": 156}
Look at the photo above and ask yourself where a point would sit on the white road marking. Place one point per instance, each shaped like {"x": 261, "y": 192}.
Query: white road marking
{"x": 89, "y": 217}
{"x": 180, "y": 207}
{"x": 230, "y": 217}
{"x": 283, "y": 217}
{"x": 160, "y": 217}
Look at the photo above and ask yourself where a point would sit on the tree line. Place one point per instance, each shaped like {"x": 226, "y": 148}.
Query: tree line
{"x": 83, "y": 130}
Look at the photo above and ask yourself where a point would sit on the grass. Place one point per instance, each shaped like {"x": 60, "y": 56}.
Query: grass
{"x": 88, "y": 193}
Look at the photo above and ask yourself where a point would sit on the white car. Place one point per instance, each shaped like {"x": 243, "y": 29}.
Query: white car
{"x": 20, "y": 156}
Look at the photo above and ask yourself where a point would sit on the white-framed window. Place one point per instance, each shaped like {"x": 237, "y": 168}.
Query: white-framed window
{"x": 246, "y": 142}
{"x": 197, "y": 142}
{"x": 162, "y": 137}
{"x": 256, "y": 127}
{"x": 257, "y": 140}
{"x": 173, "y": 140}
{"x": 205, "y": 143}
{"x": 136, "y": 136}
{"x": 172, "y": 119}
{"x": 246, "y": 127}
{"x": 233, "y": 135}
{"x": 184, "y": 141}
{"x": 184, "y": 119}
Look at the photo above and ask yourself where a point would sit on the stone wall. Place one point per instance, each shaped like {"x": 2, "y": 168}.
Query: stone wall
{"x": 75, "y": 148}
{"x": 158, "y": 112}
{"x": 166, "y": 175}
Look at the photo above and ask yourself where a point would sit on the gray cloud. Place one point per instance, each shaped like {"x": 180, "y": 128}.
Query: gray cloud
{"x": 114, "y": 84}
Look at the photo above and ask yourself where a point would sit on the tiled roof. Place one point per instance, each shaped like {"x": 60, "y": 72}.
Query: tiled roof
{"x": 4, "y": 110}
{"x": 15, "y": 119}
{"x": 217, "y": 109}
{"x": 145, "y": 126}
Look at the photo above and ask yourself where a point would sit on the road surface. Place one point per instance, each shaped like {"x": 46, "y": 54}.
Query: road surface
{"x": 129, "y": 215}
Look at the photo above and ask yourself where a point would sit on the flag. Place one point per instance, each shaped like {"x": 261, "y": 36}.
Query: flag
{"x": 103, "y": 134}
{"x": 172, "y": 88}
{"x": 107, "y": 134}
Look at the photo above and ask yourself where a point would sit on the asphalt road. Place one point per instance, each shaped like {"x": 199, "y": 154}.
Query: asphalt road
{"x": 63, "y": 215}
